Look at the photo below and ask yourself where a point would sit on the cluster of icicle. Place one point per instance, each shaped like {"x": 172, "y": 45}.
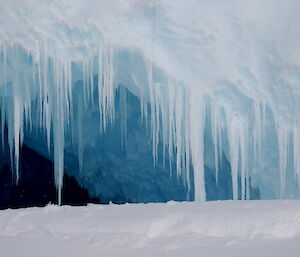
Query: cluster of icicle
{"x": 178, "y": 116}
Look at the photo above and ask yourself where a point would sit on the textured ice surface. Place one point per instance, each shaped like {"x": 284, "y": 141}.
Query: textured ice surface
{"x": 214, "y": 80}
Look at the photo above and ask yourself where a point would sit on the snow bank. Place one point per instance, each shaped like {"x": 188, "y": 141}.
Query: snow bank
{"x": 256, "y": 228}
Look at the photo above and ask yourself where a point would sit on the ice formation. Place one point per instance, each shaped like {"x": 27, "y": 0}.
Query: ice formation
{"x": 214, "y": 79}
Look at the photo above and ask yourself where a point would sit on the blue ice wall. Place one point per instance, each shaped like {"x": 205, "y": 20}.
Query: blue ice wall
{"x": 119, "y": 167}
{"x": 217, "y": 82}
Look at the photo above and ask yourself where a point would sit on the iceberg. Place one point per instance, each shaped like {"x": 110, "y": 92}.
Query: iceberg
{"x": 205, "y": 95}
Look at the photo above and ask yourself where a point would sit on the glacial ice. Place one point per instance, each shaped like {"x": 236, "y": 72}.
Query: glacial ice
{"x": 214, "y": 80}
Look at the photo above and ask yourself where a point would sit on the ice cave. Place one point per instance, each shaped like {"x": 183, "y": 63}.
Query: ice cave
{"x": 154, "y": 100}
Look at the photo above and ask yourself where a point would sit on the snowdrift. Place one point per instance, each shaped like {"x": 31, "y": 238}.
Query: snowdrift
{"x": 227, "y": 228}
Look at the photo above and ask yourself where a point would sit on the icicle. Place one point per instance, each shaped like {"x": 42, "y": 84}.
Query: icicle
{"x": 110, "y": 84}
{"x": 17, "y": 113}
{"x": 3, "y": 118}
{"x": 80, "y": 106}
{"x": 123, "y": 106}
{"x": 187, "y": 143}
{"x": 46, "y": 96}
{"x": 3, "y": 105}
{"x": 237, "y": 130}
{"x": 216, "y": 138}
{"x": 10, "y": 132}
{"x": 257, "y": 132}
{"x": 282, "y": 151}
{"x": 65, "y": 69}
{"x": 296, "y": 153}
{"x": 171, "y": 112}
{"x": 106, "y": 86}
{"x": 197, "y": 120}
{"x": 100, "y": 87}
{"x": 60, "y": 117}
{"x": 149, "y": 67}
{"x": 157, "y": 119}
{"x": 178, "y": 123}
{"x": 58, "y": 129}
{"x": 17, "y": 131}
{"x": 91, "y": 80}
{"x": 244, "y": 162}
{"x": 144, "y": 108}
{"x": 162, "y": 94}
{"x": 233, "y": 127}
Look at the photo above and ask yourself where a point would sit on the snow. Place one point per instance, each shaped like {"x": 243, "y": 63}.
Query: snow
{"x": 224, "y": 72}
{"x": 228, "y": 228}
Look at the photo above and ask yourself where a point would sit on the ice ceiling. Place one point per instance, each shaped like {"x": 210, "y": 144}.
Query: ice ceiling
{"x": 215, "y": 79}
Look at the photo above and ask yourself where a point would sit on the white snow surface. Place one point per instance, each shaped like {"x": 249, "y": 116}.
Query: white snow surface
{"x": 228, "y": 228}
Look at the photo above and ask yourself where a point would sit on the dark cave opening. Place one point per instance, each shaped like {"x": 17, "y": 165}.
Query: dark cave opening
{"x": 36, "y": 186}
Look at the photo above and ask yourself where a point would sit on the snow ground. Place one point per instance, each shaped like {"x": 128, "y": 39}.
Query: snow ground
{"x": 229, "y": 228}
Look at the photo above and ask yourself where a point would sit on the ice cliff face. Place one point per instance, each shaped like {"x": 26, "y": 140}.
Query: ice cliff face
{"x": 213, "y": 83}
